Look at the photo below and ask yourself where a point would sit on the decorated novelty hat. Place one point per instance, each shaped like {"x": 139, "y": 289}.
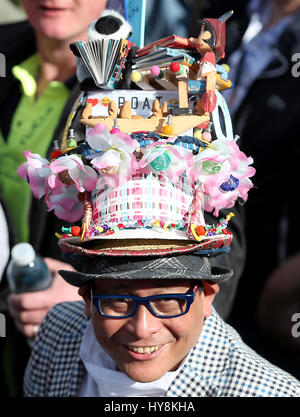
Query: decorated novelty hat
{"x": 141, "y": 193}
{"x": 138, "y": 167}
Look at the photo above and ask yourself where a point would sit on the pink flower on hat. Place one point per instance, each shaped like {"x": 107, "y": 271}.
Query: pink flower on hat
{"x": 223, "y": 172}
{"x": 65, "y": 203}
{"x": 166, "y": 159}
{"x": 35, "y": 171}
{"x": 116, "y": 163}
{"x": 84, "y": 177}
{"x": 212, "y": 165}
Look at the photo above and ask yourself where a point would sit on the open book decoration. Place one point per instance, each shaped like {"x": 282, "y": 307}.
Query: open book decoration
{"x": 105, "y": 59}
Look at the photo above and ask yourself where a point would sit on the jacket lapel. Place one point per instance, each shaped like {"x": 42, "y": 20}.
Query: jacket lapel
{"x": 70, "y": 369}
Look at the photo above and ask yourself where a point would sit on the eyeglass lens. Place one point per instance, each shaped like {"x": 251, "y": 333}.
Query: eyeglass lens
{"x": 125, "y": 306}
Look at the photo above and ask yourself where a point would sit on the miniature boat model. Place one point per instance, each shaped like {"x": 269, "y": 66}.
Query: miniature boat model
{"x": 171, "y": 122}
{"x": 180, "y": 124}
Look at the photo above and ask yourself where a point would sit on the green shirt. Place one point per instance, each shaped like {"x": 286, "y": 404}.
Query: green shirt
{"x": 32, "y": 128}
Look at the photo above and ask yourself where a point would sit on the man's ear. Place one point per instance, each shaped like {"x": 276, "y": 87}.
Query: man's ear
{"x": 210, "y": 290}
{"x": 85, "y": 293}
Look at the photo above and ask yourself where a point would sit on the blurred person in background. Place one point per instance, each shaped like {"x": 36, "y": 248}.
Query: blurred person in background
{"x": 11, "y": 12}
{"x": 263, "y": 40}
{"x": 4, "y": 236}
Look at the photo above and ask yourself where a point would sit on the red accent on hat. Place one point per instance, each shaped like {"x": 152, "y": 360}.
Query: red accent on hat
{"x": 220, "y": 32}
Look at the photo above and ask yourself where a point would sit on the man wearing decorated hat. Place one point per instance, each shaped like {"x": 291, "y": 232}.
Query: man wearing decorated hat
{"x": 147, "y": 328}
{"x": 143, "y": 255}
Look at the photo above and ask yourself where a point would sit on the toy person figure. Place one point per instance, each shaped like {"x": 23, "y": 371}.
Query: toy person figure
{"x": 210, "y": 44}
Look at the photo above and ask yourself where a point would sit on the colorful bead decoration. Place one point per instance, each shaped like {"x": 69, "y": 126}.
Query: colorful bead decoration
{"x": 72, "y": 143}
{"x": 136, "y": 76}
{"x": 161, "y": 162}
{"x": 231, "y": 184}
{"x": 168, "y": 130}
{"x": 175, "y": 67}
{"x": 211, "y": 167}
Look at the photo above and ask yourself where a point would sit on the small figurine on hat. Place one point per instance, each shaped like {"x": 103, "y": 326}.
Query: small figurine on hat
{"x": 210, "y": 44}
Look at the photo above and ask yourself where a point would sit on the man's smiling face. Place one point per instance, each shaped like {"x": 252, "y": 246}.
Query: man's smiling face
{"x": 143, "y": 346}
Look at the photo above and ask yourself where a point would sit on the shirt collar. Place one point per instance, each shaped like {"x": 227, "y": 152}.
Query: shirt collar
{"x": 26, "y": 72}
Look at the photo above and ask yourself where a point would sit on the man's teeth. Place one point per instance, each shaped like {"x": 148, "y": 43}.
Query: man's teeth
{"x": 140, "y": 349}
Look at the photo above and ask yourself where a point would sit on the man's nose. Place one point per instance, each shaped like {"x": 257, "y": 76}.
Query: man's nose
{"x": 143, "y": 323}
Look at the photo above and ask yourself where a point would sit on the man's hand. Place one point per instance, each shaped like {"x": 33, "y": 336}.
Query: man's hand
{"x": 28, "y": 309}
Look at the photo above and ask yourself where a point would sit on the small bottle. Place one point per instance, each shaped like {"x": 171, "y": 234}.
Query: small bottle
{"x": 27, "y": 271}
{"x": 72, "y": 143}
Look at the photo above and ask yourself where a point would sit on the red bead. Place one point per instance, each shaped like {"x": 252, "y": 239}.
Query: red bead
{"x": 75, "y": 230}
{"x": 109, "y": 232}
{"x": 200, "y": 230}
{"x": 203, "y": 125}
{"x": 121, "y": 226}
{"x": 175, "y": 66}
{"x": 55, "y": 154}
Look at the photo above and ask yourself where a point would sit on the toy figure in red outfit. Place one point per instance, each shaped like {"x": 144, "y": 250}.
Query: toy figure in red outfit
{"x": 211, "y": 46}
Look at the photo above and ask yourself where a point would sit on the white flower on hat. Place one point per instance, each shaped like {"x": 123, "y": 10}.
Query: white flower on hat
{"x": 36, "y": 171}
{"x": 65, "y": 204}
{"x": 169, "y": 160}
{"x": 223, "y": 172}
{"x": 116, "y": 161}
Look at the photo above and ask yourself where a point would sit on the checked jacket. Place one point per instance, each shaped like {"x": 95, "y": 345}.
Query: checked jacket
{"x": 220, "y": 365}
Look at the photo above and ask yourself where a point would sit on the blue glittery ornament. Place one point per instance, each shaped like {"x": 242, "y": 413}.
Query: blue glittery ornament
{"x": 231, "y": 184}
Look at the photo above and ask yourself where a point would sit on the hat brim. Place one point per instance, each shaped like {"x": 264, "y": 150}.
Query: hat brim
{"x": 144, "y": 247}
{"x": 218, "y": 274}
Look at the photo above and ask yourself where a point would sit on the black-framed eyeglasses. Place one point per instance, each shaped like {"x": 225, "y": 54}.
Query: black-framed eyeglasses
{"x": 162, "y": 305}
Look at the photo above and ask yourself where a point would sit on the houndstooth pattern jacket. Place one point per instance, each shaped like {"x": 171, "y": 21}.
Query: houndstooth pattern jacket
{"x": 220, "y": 365}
